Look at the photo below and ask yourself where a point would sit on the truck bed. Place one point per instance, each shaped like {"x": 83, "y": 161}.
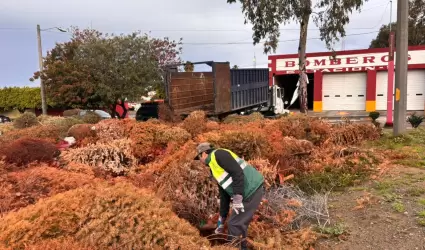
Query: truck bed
{"x": 218, "y": 92}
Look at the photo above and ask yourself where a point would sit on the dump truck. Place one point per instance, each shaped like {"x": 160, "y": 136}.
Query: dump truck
{"x": 219, "y": 92}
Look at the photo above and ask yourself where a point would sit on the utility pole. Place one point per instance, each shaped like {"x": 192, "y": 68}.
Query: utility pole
{"x": 402, "y": 51}
{"x": 391, "y": 15}
{"x": 40, "y": 62}
{"x": 390, "y": 82}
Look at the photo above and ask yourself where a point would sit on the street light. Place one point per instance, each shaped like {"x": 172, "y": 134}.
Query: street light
{"x": 57, "y": 28}
{"x": 40, "y": 61}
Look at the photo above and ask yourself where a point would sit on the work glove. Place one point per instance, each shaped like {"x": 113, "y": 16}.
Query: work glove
{"x": 237, "y": 204}
{"x": 220, "y": 225}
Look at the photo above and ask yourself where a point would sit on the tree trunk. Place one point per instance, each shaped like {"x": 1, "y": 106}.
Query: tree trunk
{"x": 302, "y": 90}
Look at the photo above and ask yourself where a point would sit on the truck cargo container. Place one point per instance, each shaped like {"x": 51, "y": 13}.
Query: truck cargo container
{"x": 222, "y": 91}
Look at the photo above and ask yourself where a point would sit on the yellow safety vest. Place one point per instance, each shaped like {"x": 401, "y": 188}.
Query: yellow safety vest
{"x": 252, "y": 178}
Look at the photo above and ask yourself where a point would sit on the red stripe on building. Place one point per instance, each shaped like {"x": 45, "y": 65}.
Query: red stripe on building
{"x": 371, "y": 85}
{"x": 272, "y": 70}
{"x": 318, "y": 86}
{"x": 344, "y": 52}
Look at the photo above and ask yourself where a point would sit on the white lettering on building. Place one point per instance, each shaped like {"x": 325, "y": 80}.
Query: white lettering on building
{"x": 346, "y": 69}
{"x": 344, "y": 63}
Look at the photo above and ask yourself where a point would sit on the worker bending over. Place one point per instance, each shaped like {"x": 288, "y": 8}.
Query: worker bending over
{"x": 237, "y": 180}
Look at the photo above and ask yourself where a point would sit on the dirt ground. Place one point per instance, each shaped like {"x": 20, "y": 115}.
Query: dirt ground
{"x": 387, "y": 213}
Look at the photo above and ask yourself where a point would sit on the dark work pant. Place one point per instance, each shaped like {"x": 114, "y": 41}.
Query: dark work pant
{"x": 238, "y": 223}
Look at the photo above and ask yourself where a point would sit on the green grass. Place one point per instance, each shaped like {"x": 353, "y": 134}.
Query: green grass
{"x": 326, "y": 181}
{"x": 338, "y": 178}
{"x": 410, "y": 147}
{"x": 390, "y": 197}
{"x": 415, "y": 191}
{"x": 422, "y": 202}
{"x": 415, "y": 137}
{"x": 335, "y": 230}
{"x": 399, "y": 207}
{"x": 421, "y": 219}
{"x": 385, "y": 185}
{"x": 412, "y": 162}
{"x": 387, "y": 189}
{"x": 358, "y": 189}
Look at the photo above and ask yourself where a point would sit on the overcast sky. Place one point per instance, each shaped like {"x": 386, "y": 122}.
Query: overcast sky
{"x": 204, "y": 25}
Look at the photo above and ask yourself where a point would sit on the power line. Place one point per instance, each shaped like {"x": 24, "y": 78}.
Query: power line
{"x": 383, "y": 14}
{"x": 246, "y": 41}
{"x": 376, "y": 6}
{"x": 281, "y": 41}
{"x": 193, "y": 30}
{"x": 209, "y": 30}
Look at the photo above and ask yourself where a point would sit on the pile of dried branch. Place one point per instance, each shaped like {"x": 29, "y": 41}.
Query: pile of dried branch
{"x": 352, "y": 134}
{"x": 22, "y": 188}
{"x": 114, "y": 157}
{"x": 101, "y": 216}
{"x": 187, "y": 184}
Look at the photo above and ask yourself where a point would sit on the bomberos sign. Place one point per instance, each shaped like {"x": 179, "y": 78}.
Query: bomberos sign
{"x": 346, "y": 63}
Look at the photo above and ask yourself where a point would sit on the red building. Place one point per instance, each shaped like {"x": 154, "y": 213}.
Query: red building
{"x": 349, "y": 80}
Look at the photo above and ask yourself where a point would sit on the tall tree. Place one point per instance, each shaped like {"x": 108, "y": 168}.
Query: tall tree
{"x": 94, "y": 70}
{"x": 67, "y": 82}
{"x": 266, "y": 16}
{"x": 123, "y": 66}
{"x": 416, "y": 27}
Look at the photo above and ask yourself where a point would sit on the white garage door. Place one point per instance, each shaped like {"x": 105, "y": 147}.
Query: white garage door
{"x": 344, "y": 91}
{"x": 415, "y": 90}
{"x": 382, "y": 90}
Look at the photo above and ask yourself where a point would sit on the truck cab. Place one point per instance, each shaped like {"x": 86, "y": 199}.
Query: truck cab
{"x": 278, "y": 104}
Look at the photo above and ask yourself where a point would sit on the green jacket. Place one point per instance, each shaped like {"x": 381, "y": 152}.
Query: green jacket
{"x": 234, "y": 176}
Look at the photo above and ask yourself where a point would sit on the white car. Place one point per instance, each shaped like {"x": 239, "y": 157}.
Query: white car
{"x": 101, "y": 113}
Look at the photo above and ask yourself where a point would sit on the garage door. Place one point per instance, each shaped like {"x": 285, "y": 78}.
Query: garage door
{"x": 415, "y": 90}
{"x": 344, "y": 91}
{"x": 382, "y": 90}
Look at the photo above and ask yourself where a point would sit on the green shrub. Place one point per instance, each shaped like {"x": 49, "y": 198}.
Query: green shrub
{"x": 91, "y": 117}
{"x": 415, "y": 120}
{"x": 374, "y": 115}
{"x": 25, "y": 121}
{"x": 44, "y": 118}
{"x": 61, "y": 123}
{"x": 65, "y": 123}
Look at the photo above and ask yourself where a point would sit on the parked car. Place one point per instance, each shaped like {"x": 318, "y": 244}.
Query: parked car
{"x": 4, "y": 119}
{"x": 101, "y": 113}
